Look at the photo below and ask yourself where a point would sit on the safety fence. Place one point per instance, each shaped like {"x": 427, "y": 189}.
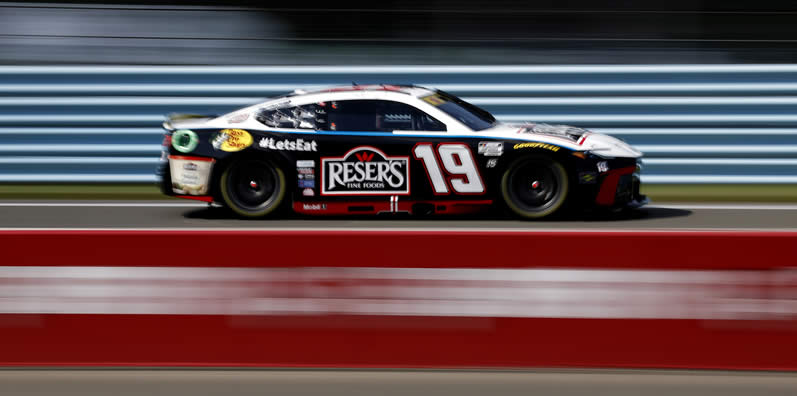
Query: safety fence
{"x": 515, "y": 299}
{"x": 695, "y": 123}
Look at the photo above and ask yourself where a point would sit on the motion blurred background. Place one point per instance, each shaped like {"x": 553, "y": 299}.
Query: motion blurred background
{"x": 84, "y": 87}
{"x": 707, "y": 130}
{"x": 398, "y": 32}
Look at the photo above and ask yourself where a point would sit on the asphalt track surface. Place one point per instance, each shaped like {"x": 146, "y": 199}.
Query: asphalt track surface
{"x": 389, "y": 383}
{"x": 175, "y": 215}
{"x": 189, "y": 215}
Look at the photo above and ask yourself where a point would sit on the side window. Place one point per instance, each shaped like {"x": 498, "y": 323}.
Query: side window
{"x": 400, "y": 116}
{"x": 352, "y": 115}
{"x": 379, "y": 116}
{"x": 311, "y": 116}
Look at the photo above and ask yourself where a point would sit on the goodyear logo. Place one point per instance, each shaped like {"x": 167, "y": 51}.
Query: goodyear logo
{"x": 544, "y": 146}
{"x": 232, "y": 140}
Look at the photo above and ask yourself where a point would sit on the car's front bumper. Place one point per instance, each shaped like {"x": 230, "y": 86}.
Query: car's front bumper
{"x": 619, "y": 185}
{"x": 641, "y": 200}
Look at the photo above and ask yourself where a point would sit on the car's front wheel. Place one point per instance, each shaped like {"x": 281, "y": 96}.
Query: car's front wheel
{"x": 253, "y": 188}
{"x": 535, "y": 187}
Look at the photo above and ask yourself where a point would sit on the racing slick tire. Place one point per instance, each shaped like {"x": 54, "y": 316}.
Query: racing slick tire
{"x": 253, "y": 188}
{"x": 535, "y": 187}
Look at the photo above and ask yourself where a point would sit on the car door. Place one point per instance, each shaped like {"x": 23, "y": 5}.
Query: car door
{"x": 392, "y": 149}
{"x": 444, "y": 165}
{"x": 367, "y": 161}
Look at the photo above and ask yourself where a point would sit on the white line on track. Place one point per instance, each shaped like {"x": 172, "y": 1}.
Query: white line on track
{"x": 105, "y": 204}
{"x": 371, "y": 230}
{"x": 729, "y": 206}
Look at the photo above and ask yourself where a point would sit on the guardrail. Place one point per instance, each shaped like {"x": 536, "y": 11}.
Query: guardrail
{"x": 695, "y": 123}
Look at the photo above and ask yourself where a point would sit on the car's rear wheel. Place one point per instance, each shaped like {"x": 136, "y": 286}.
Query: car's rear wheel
{"x": 253, "y": 188}
{"x": 535, "y": 187}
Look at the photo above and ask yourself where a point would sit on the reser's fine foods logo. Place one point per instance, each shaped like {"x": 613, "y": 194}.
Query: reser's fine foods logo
{"x": 365, "y": 170}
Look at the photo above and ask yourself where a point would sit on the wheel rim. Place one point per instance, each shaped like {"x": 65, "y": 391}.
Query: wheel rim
{"x": 534, "y": 186}
{"x": 253, "y": 185}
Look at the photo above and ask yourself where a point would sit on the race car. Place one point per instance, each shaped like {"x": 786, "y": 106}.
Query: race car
{"x": 373, "y": 149}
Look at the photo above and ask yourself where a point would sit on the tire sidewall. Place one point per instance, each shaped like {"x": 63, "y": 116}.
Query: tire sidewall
{"x": 230, "y": 203}
{"x": 563, "y": 181}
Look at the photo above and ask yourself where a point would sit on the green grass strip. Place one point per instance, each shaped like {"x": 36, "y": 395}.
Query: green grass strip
{"x": 81, "y": 191}
{"x": 657, "y": 192}
{"x": 721, "y": 192}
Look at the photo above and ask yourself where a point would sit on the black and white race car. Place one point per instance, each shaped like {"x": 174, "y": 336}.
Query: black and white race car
{"x": 391, "y": 149}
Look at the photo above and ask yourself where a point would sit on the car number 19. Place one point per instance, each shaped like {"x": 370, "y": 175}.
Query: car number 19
{"x": 457, "y": 160}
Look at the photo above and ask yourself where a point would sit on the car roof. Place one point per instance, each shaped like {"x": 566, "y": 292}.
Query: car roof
{"x": 371, "y": 91}
{"x": 412, "y": 90}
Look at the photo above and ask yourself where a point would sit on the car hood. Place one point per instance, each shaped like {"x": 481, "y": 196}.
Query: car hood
{"x": 608, "y": 146}
{"x": 574, "y": 138}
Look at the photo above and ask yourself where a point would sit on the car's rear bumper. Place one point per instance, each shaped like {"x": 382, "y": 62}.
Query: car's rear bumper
{"x": 164, "y": 178}
{"x": 167, "y": 186}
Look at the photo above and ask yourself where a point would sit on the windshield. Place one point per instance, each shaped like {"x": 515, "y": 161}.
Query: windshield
{"x": 472, "y": 116}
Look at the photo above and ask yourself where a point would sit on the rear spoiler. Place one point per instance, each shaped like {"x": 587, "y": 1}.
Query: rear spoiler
{"x": 174, "y": 120}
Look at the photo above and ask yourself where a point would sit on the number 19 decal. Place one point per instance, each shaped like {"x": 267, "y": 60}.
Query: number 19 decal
{"x": 460, "y": 168}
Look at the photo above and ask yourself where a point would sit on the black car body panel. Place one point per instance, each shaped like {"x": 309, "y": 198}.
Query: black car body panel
{"x": 369, "y": 172}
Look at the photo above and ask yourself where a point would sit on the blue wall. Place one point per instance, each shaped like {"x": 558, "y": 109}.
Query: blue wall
{"x": 695, "y": 123}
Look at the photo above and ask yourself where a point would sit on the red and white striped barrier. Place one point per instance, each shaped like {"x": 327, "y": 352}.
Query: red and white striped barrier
{"x": 371, "y": 298}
